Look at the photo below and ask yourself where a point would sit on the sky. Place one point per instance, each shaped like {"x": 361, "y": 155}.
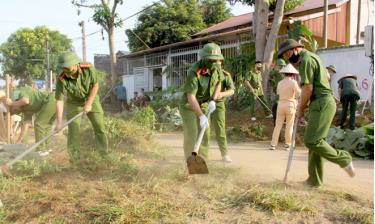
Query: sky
{"x": 62, "y": 16}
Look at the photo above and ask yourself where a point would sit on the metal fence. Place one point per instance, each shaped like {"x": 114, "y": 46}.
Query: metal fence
{"x": 176, "y": 62}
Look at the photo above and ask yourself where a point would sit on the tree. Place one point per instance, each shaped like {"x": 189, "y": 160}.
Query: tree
{"x": 24, "y": 53}
{"x": 173, "y": 21}
{"x": 105, "y": 15}
{"x": 265, "y": 46}
{"x": 214, "y": 11}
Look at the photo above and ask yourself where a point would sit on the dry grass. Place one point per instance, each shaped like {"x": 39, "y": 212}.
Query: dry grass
{"x": 140, "y": 183}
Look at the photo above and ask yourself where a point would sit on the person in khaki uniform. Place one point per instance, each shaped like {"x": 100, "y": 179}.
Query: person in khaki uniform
{"x": 275, "y": 78}
{"x": 80, "y": 82}
{"x": 322, "y": 109}
{"x": 288, "y": 90}
{"x": 199, "y": 94}
{"x": 30, "y": 101}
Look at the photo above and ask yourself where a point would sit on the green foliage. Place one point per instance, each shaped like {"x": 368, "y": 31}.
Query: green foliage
{"x": 241, "y": 64}
{"x": 214, "y": 11}
{"x": 244, "y": 132}
{"x": 33, "y": 168}
{"x": 174, "y": 21}
{"x": 300, "y": 32}
{"x": 289, "y": 4}
{"x": 27, "y": 44}
{"x": 145, "y": 117}
{"x": 360, "y": 141}
{"x": 104, "y": 213}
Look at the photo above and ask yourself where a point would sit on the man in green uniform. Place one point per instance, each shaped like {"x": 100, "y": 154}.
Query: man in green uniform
{"x": 322, "y": 108}
{"x": 30, "y": 101}
{"x": 80, "y": 82}
{"x": 200, "y": 91}
{"x": 253, "y": 82}
{"x": 218, "y": 116}
{"x": 275, "y": 78}
{"x": 349, "y": 95}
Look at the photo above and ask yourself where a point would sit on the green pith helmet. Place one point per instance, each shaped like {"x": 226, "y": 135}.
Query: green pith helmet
{"x": 68, "y": 59}
{"x": 287, "y": 45}
{"x": 211, "y": 51}
{"x": 280, "y": 62}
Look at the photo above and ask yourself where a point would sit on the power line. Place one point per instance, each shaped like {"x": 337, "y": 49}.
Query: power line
{"x": 122, "y": 20}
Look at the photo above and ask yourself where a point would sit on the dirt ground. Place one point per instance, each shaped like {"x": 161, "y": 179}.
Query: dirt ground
{"x": 259, "y": 164}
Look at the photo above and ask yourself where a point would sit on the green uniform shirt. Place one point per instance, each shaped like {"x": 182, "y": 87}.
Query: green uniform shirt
{"x": 275, "y": 78}
{"x": 349, "y": 86}
{"x": 78, "y": 88}
{"x": 227, "y": 84}
{"x": 313, "y": 71}
{"x": 255, "y": 79}
{"x": 201, "y": 82}
{"x": 36, "y": 100}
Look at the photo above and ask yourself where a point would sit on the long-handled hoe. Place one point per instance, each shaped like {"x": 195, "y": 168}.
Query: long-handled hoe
{"x": 5, "y": 168}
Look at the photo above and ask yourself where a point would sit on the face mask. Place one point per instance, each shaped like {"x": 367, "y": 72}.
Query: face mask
{"x": 70, "y": 73}
{"x": 294, "y": 58}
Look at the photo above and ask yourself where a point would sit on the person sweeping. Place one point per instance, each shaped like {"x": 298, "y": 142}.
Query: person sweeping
{"x": 317, "y": 95}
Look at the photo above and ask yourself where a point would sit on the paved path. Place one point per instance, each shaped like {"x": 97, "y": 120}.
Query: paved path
{"x": 260, "y": 164}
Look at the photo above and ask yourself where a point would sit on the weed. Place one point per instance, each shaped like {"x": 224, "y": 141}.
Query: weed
{"x": 264, "y": 200}
{"x": 104, "y": 213}
{"x": 33, "y": 168}
{"x": 358, "y": 215}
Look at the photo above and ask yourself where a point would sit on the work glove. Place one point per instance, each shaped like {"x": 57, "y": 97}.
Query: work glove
{"x": 203, "y": 121}
{"x": 211, "y": 106}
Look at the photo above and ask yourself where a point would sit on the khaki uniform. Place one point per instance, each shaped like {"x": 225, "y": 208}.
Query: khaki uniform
{"x": 200, "y": 82}
{"x": 321, "y": 112}
{"x": 77, "y": 90}
{"x": 287, "y": 90}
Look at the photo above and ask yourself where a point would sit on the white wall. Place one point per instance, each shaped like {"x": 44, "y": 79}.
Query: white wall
{"x": 128, "y": 81}
{"x": 349, "y": 60}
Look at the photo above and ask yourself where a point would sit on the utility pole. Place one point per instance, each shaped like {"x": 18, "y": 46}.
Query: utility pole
{"x": 358, "y": 37}
{"x": 48, "y": 72}
{"x": 325, "y": 28}
{"x": 82, "y": 25}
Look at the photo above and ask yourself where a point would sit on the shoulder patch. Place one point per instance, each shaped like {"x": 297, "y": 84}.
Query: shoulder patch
{"x": 62, "y": 76}
{"x": 201, "y": 71}
{"x": 85, "y": 65}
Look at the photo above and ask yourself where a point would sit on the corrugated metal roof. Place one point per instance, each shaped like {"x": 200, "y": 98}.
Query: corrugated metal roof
{"x": 246, "y": 19}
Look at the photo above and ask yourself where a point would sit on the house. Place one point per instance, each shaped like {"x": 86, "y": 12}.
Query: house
{"x": 145, "y": 69}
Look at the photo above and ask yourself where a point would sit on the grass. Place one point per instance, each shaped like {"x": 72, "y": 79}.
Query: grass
{"x": 140, "y": 183}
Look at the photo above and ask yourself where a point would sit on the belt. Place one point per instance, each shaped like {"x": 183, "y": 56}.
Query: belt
{"x": 320, "y": 96}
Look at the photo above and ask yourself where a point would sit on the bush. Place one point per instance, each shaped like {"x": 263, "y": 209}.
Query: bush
{"x": 145, "y": 117}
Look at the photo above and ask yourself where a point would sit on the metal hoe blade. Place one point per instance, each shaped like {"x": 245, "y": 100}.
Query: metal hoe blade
{"x": 196, "y": 165}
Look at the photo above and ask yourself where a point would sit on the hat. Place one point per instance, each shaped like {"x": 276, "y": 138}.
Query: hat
{"x": 287, "y": 45}
{"x": 352, "y": 76}
{"x": 211, "y": 51}
{"x": 68, "y": 59}
{"x": 280, "y": 62}
{"x": 332, "y": 68}
{"x": 289, "y": 68}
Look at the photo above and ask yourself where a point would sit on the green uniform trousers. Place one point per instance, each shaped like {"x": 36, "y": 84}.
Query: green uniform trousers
{"x": 218, "y": 123}
{"x": 253, "y": 106}
{"x": 349, "y": 101}
{"x": 321, "y": 113}
{"x": 191, "y": 129}
{"x": 44, "y": 119}
{"x": 97, "y": 121}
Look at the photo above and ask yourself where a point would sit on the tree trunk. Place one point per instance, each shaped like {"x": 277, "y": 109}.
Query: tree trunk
{"x": 113, "y": 59}
{"x": 271, "y": 40}
{"x": 261, "y": 28}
